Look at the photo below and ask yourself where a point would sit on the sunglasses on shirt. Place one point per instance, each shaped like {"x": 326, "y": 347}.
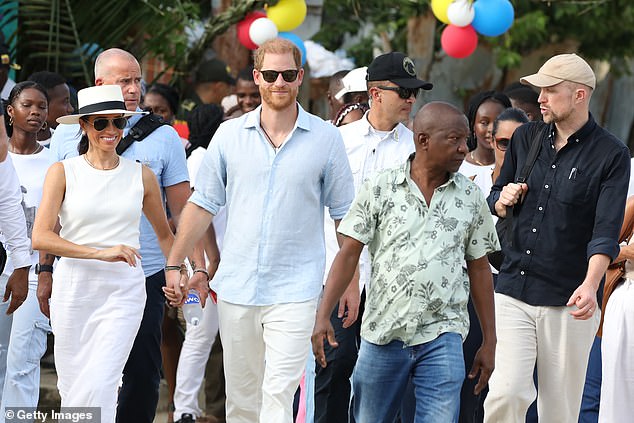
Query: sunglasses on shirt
{"x": 502, "y": 143}
{"x": 288, "y": 75}
{"x": 102, "y": 123}
{"x": 404, "y": 93}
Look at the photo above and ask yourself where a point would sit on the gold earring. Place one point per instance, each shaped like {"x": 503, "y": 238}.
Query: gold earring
{"x": 10, "y": 120}
{"x": 44, "y": 126}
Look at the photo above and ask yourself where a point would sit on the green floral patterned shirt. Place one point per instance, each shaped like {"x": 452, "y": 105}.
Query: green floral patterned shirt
{"x": 419, "y": 286}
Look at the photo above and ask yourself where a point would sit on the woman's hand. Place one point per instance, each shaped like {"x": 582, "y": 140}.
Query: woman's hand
{"x": 119, "y": 253}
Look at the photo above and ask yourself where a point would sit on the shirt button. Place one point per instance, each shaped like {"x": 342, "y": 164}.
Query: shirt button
{"x": 534, "y": 230}
{"x": 553, "y": 166}
{"x": 522, "y": 273}
{"x": 528, "y": 251}
{"x": 546, "y": 186}
{"x": 540, "y": 208}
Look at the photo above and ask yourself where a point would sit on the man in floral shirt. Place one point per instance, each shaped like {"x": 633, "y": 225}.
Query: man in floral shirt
{"x": 421, "y": 221}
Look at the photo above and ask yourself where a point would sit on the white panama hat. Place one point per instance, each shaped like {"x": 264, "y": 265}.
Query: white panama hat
{"x": 99, "y": 100}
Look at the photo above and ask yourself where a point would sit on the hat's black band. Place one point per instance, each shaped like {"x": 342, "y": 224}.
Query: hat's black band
{"x": 104, "y": 105}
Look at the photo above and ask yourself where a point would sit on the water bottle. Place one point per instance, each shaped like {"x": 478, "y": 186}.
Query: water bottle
{"x": 192, "y": 310}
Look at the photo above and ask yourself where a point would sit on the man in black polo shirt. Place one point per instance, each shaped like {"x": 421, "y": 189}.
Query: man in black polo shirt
{"x": 566, "y": 223}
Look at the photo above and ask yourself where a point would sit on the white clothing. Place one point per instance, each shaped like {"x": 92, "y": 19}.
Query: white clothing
{"x": 617, "y": 353}
{"x": 6, "y": 90}
{"x": 96, "y": 306}
{"x": 369, "y": 151}
{"x": 12, "y": 219}
{"x": 480, "y": 175}
{"x": 93, "y": 212}
{"x": 564, "y": 347}
{"x": 265, "y": 351}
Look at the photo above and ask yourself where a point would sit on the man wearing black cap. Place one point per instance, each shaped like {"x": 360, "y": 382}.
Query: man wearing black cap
{"x": 6, "y": 83}
{"x": 212, "y": 81}
{"x": 377, "y": 141}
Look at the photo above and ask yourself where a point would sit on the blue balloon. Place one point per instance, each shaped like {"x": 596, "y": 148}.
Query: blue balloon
{"x": 492, "y": 17}
{"x": 297, "y": 41}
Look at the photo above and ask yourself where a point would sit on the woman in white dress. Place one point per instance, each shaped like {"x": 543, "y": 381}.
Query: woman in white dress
{"x": 98, "y": 291}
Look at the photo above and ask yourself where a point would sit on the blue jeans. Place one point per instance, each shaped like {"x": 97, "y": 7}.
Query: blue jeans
{"x": 435, "y": 368}
{"x": 592, "y": 390}
{"x": 22, "y": 345}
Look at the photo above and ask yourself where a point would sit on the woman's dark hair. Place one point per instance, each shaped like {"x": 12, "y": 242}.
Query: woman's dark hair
{"x": 168, "y": 92}
{"x": 512, "y": 114}
{"x": 82, "y": 147}
{"x": 474, "y": 104}
{"x": 15, "y": 93}
{"x": 203, "y": 122}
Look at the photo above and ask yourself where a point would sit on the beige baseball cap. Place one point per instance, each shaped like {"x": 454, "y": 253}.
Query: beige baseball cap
{"x": 563, "y": 67}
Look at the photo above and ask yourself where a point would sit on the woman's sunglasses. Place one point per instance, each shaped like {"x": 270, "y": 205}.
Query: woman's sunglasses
{"x": 289, "y": 75}
{"x": 404, "y": 93}
{"x": 502, "y": 143}
{"x": 102, "y": 123}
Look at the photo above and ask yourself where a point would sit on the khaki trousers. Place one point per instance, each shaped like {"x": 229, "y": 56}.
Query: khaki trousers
{"x": 551, "y": 338}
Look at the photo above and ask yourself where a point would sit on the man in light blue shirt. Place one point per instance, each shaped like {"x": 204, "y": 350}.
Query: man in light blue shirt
{"x": 275, "y": 169}
{"x": 163, "y": 152}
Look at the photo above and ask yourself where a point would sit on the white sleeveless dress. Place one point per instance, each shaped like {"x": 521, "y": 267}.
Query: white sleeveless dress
{"x": 96, "y": 306}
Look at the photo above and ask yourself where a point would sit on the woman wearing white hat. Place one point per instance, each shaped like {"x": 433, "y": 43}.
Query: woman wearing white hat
{"x": 99, "y": 287}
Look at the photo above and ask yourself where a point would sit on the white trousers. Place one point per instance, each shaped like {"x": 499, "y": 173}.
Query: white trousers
{"x": 192, "y": 361}
{"x": 265, "y": 353}
{"x": 617, "y": 349}
{"x": 551, "y": 338}
{"x": 96, "y": 311}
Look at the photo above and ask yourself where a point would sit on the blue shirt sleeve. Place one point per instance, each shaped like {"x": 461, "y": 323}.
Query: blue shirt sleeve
{"x": 338, "y": 181}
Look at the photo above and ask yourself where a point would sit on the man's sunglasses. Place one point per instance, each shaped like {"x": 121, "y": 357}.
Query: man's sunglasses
{"x": 404, "y": 93}
{"x": 289, "y": 75}
{"x": 102, "y": 123}
{"x": 502, "y": 143}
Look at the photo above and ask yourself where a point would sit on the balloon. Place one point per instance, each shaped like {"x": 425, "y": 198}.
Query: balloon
{"x": 261, "y": 30}
{"x": 492, "y": 17}
{"x": 297, "y": 41}
{"x": 243, "y": 29}
{"x": 459, "y": 42}
{"x": 439, "y": 7}
{"x": 460, "y": 13}
{"x": 287, "y": 14}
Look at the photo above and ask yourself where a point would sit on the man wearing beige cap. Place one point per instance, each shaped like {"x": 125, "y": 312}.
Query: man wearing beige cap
{"x": 566, "y": 220}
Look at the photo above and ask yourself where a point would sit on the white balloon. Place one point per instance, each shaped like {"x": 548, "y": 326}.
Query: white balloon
{"x": 261, "y": 30}
{"x": 460, "y": 13}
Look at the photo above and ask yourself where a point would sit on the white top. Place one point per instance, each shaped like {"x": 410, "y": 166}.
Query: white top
{"x": 481, "y": 175}
{"x": 369, "y": 151}
{"x": 31, "y": 170}
{"x": 102, "y": 208}
{"x": 6, "y": 90}
{"x": 12, "y": 222}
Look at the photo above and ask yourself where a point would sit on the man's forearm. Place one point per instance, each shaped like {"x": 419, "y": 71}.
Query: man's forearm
{"x": 597, "y": 265}
{"x": 193, "y": 223}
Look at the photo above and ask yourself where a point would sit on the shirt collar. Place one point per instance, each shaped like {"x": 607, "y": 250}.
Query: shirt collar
{"x": 132, "y": 120}
{"x": 403, "y": 173}
{"x": 581, "y": 134}
{"x": 367, "y": 129}
{"x": 253, "y": 118}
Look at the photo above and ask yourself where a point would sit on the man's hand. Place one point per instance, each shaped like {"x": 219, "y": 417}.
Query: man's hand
{"x": 350, "y": 300}
{"x": 199, "y": 282}
{"x": 483, "y": 363}
{"x": 585, "y": 298}
{"x": 17, "y": 288}
{"x": 510, "y": 195}
{"x": 323, "y": 329}
{"x": 175, "y": 284}
{"x": 44, "y": 289}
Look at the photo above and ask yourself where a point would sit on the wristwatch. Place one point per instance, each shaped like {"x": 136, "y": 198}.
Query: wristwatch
{"x": 39, "y": 268}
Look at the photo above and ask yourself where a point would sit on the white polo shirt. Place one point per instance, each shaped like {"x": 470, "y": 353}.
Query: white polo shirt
{"x": 369, "y": 151}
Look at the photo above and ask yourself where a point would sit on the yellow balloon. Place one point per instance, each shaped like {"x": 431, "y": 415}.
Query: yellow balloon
{"x": 439, "y": 7}
{"x": 287, "y": 14}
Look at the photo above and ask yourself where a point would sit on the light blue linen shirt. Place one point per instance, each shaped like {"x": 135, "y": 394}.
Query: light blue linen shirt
{"x": 162, "y": 151}
{"x": 274, "y": 243}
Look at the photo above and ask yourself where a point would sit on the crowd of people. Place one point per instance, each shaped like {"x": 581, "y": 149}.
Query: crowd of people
{"x": 446, "y": 266}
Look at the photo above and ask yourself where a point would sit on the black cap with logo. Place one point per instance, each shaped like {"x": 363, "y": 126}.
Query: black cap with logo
{"x": 214, "y": 70}
{"x": 397, "y": 68}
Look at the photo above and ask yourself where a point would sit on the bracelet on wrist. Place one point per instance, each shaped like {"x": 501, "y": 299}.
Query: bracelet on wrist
{"x": 202, "y": 271}
{"x": 181, "y": 268}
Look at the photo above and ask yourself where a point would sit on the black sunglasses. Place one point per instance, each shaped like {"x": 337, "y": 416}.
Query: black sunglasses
{"x": 502, "y": 143}
{"x": 102, "y": 123}
{"x": 404, "y": 93}
{"x": 289, "y": 75}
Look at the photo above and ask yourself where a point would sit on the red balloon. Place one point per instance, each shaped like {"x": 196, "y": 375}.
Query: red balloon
{"x": 243, "y": 29}
{"x": 459, "y": 42}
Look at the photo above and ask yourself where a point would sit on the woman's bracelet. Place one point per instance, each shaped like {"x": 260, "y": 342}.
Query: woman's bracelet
{"x": 202, "y": 271}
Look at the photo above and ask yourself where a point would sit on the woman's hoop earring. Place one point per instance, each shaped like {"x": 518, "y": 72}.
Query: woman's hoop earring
{"x": 10, "y": 120}
{"x": 44, "y": 126}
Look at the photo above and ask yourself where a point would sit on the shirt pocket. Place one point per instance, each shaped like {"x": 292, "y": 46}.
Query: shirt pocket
{"x": 156, "y": 165}
{"x": 573, "y": 188}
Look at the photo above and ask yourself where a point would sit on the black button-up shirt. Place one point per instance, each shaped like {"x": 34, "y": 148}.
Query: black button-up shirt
{"x": 573, "y": 209}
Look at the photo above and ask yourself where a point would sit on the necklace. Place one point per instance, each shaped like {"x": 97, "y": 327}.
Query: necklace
{"x": 37, "y": 149}
{"x": 268, "y": 138}
{"x": 95, "y": 167}
{"x": 476, "y": 161}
